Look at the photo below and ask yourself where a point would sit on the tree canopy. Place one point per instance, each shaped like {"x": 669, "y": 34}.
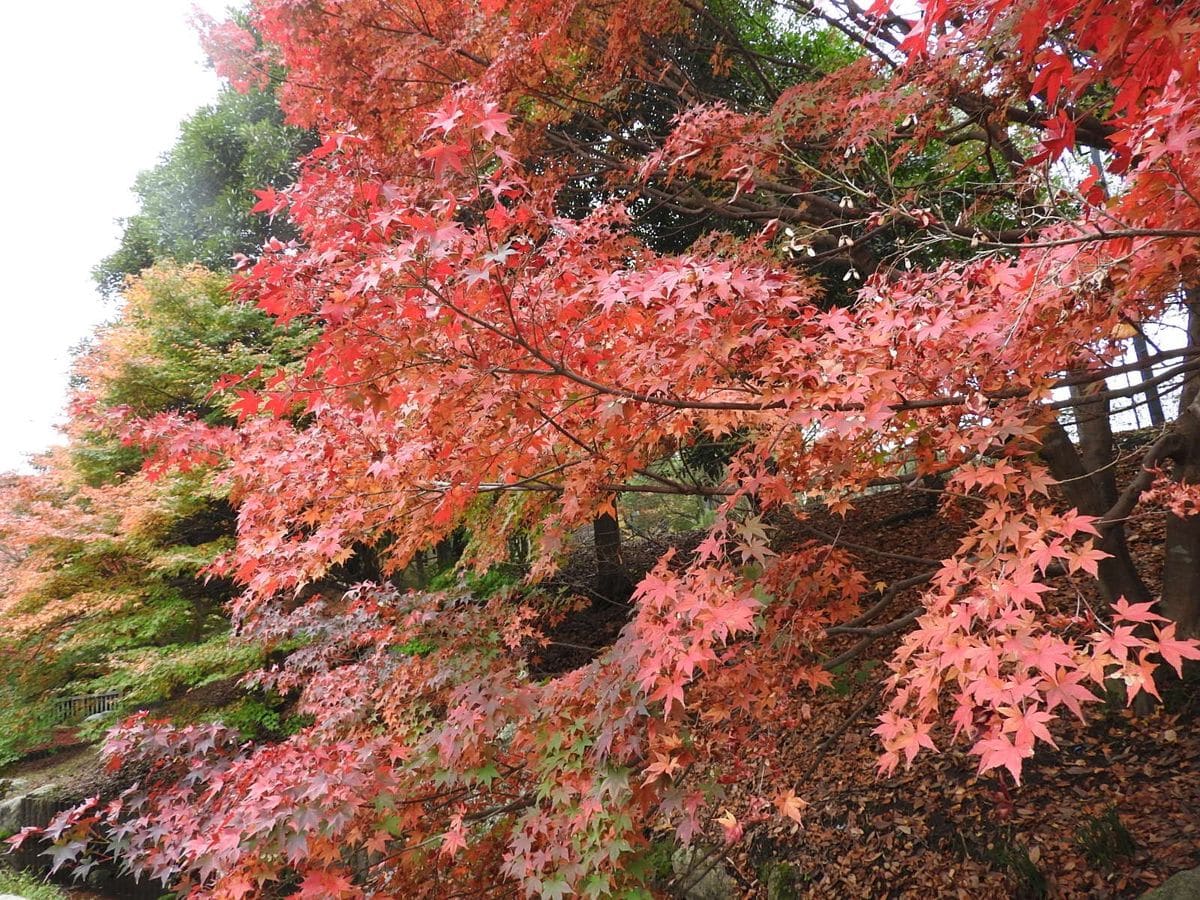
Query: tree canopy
{"x": 547, "y": 250}
{"x": 194, "y": 206}
{"x": 105, "y": 583}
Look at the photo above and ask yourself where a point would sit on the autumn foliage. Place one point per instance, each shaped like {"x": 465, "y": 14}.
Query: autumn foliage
{"x": 103, "y": 562}
{"x": 548, "y": 248}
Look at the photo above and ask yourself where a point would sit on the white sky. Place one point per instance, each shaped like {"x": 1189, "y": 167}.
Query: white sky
{"x": 93, "y": 92}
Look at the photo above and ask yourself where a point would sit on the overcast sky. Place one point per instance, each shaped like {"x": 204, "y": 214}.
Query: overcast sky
{"x": 93, "y": 92}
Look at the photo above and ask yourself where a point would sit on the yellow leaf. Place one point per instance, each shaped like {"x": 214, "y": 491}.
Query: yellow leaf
{"x": 790, "y": 805}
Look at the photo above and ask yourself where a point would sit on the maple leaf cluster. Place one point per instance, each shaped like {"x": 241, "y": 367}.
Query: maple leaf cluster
{"x": 488, "y": 357}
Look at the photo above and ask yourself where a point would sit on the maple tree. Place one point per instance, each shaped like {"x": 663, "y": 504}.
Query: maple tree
{"x": 551, "y": 249}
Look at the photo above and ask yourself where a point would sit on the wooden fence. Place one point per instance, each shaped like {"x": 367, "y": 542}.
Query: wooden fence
{"x": 72, "y": 709}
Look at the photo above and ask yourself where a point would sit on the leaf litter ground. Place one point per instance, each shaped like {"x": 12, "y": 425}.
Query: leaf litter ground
{"x": 1114, "y": 812}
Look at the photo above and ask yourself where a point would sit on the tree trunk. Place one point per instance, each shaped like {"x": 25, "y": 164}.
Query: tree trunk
{"x": 1153, "y": 400}
{"x": 1096, "y": 442}
{"x": 1181, "y": 570}
{"x": 1117, "y": 574}
{"x": 612, "y": 582}
{"x": 446, "y": 556}
{"x": 1191, "y": 381}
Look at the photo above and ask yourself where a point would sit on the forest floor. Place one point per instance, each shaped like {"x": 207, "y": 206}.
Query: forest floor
{"x": 1113, "y": 812}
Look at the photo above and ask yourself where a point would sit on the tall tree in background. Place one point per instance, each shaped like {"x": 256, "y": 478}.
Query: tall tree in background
{"x": 194, "y": 206}
{"x": 106, "y": 563}
{"x": 105, "y": 583}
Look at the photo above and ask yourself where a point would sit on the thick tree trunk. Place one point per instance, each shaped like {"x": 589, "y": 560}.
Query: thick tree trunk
{"x": 1096, "y": 441}
{"x": 1191, "y": 381}
{"x": 1181, "y": 570}
{"x": 1118, "y": 576}
{"x": 612, "y": 581}
{"x": 450, "y": 548}
{"x": 446, "y": 557}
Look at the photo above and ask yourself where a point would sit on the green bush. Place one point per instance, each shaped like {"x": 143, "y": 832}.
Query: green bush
{"x": 261, "y": 718}
{"x": 1030, "y": 880}
{"x": 415, "y": 647}
{"x": 154, "y": 674}
{"x": 25, "y": 885}
{"x": 482, "y": 586}
{"x": 653, "y": 864}
{"x": 23, "y": 725}
{"x": 847, "y": 680}
{"x": 781, "y": 880}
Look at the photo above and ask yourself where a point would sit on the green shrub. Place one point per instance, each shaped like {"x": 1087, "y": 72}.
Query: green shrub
{"x": 482, "y": 586}
{"x": 415, "y": 647}
{"x": 28, "y": 886}
{"x": 23, "y": 725}
{"x": 781, "y": 880}
{"x": 653, "y": 865}
{"x": 846, "y": 679}
{"x": 261, "y": 718}
{"x": 154, "y": 674}
{"x": 1030, "y": 880}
